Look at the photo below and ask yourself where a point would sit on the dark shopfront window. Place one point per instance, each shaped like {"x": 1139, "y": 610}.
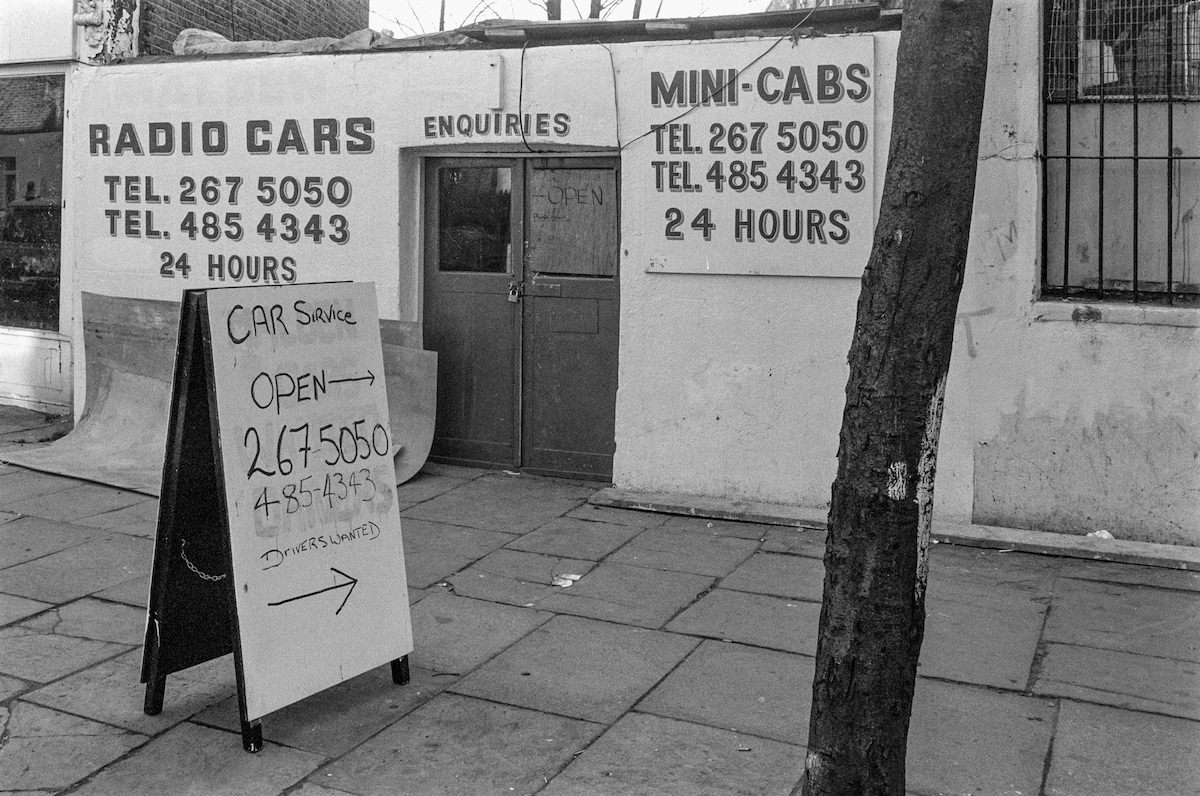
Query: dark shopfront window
{"x": 31, "y": 150}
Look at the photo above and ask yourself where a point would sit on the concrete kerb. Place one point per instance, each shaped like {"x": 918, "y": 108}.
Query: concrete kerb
{"x": 987, "y": 536}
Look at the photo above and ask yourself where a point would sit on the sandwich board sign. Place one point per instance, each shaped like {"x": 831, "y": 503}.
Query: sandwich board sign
{"x": 278, "y": 530}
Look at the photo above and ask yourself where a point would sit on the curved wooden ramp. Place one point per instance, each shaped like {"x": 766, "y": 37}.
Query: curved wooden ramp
{"x": 129, "y": 348}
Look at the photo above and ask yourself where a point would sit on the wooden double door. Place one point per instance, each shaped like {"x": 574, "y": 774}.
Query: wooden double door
{"x": 521, "y": 304}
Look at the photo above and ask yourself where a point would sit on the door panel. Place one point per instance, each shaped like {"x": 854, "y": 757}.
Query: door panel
{"x": 570, "y": 318}
{"x": 527, "y": 346}
{"x": 469, "y": 321}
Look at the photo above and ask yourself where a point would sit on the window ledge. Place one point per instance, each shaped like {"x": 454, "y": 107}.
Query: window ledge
{"x": 1079, "y": 312}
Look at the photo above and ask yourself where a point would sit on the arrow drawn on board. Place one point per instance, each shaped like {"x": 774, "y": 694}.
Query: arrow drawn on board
{"x": 369, "y": 379}
{"x": 352, "y": 583}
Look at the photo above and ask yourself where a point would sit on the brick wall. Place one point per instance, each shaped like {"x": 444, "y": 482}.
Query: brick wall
{"x": 246, "y": 20}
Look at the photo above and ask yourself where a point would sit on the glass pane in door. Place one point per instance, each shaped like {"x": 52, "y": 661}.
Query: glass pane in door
{"x": 474, "y": 229}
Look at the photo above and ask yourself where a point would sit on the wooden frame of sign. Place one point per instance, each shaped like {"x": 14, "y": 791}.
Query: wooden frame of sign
{"x": 278, "y": 531}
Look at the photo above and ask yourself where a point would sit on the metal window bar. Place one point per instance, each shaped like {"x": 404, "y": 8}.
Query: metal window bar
{"x": 1122, "y": 93}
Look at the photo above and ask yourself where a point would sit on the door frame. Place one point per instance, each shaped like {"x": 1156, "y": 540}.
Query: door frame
{"x": 519, "y": 163}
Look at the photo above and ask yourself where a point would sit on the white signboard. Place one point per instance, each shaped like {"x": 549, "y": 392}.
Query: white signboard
{"x": 318, "y": 568}
{"x": 760, "y": 168}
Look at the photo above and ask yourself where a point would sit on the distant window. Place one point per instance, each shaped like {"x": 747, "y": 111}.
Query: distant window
{"x": 31, "y": 151}
{"x": 1122, "y": 151}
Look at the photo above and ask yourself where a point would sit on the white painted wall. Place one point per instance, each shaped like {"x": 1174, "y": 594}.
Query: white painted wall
{"x": 36, "y": 30}
{"x": 730, "y": 385}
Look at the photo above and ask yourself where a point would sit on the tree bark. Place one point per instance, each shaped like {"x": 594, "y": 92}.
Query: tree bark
{"x": 873, "y": 609}
{"x": 553, "y": 9}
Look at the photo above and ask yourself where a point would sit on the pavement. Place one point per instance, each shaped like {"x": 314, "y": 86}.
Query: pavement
{"x": 680, "y": 660}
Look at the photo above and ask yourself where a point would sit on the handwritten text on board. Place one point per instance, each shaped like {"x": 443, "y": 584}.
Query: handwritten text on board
{"x": 310, "y": 487}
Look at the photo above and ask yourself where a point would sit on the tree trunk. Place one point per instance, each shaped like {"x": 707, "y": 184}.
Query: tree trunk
{"x": 553, "y": 9}
{"x": 873, "y": 610}
{"x": 594, "y": 12}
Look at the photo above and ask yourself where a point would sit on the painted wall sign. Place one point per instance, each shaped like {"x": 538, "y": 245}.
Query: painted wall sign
{"x": 226, "y": 223}
{"x": 279, "y": 498}
{"x": 766, "y": 168}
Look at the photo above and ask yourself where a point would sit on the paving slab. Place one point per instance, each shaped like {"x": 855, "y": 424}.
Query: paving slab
{"x": 756, "y": 619}
{"x": 80, "y": 570}
{"x": 732, "y": 528}
{"x": 1122, "y": 679}
{"x": 576, "y": 538}
{"x": 1102, "y": 751}
{"x": 456, "y": 634}
{"x": 516, "y": 577}
{"x": 653, "y": 756}
{"x": 334, "y": 721}
{"x": 794, "y": 541}
{"x": 312, "y": 789}
{"x": 45, "y": 749}
{"x": 28, "y": 538}
{"x": 510, "y": 503}
{"x": 685, "y": 551}
{"x": 798, "y": 577}
{"x": 628, "y": 594}
{"x": 209, "y": 761}
{"x": 20, "y": 484}
{"x": 739, "y": 688}
{"x": 135, "y": 592}
{"x": 985, "y": 634}
{"x": 967, "y": 739}
{"x": 457, "y": 745}
{"x": 1111, "y": 572}
{"x": 579, "y": 667}
{"x": 111, "y": 692}
{"x": 42, "y": 656}
{"x": 11, "y": 687}
{"x": 13, "y": 609}
{"x": 427, "y": 485}
{"x": 1148, "y": 621}
{"x": 140, "y": 519}
{"x": 433, "y": 551}
{"x": 79, "y": 500}
{"x": 637, "y": 519}
{"x": 978, "y": 569}
{"x": 94, "y": 619}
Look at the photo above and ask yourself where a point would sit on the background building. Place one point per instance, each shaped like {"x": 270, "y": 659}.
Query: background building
{"x": 636, "y": 247}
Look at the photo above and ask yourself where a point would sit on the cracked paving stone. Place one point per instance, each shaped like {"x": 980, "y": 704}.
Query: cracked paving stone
{"x": 13, "y": 608}
{"x": 210, "y": 761}
{"x": 93, "y": 619}
{"x": 43, "y": 656}
{"x": 93, "y": 566}
{"x": 515, "y": 577}
{"x": 576, "y": 538}
{"x": 48, "y": 750}
{"x": 629, "y": 594}
{"x": 112, "y": 692}
{"x": 579, "y": 667}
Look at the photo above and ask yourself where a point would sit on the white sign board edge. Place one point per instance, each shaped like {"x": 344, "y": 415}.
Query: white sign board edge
{"x": 315, "y": 540}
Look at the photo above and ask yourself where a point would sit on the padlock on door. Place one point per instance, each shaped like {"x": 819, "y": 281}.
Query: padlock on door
{"x": 515, "y": 290}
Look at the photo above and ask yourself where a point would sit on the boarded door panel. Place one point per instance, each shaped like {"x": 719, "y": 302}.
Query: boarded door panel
{"x": 469, "y": 321}
{"x": 571, "y": 319}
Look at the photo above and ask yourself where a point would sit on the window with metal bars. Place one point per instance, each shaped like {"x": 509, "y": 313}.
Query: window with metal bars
{"x": 1121, "y": 151}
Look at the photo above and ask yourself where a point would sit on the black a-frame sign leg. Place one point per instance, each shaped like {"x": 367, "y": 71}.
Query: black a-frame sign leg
{"x": 400, "y": 673}
{"x": 252, "y": 736}
{"x": 155, "y": 690}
